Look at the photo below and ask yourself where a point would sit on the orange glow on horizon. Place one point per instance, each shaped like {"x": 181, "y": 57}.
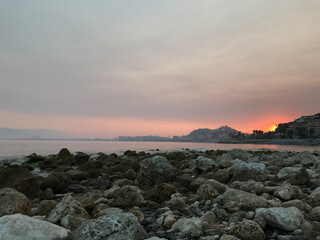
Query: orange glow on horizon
{"x": 272, "y": 128}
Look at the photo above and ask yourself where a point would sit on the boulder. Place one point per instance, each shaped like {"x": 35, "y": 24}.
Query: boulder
{"x": 156, "y": 170}
{"x": 67, "y": 206}
{"x": 202, "y": 163}
{"x": 242, "y": 171}
{"x": 57, "y": 181}
{"x": 248, "y": 230}
{"x": 22, "y": 227}
{"x": 188, "y": 226}
{"x": 12, "y": 201}
{"x": 46, "y": 206}
{"x": 249, "y": 186}
{"x": 299, "y": 178}
{"x": 176, "y": 203}
{"x": 287, "y": 219}
{"x": 288, "y": 172}
{"x": 233, "y": 200}
{"x": 81, "y": 158}
{"x": 160, "y": 193}
{"x": 129, "y": 196}
{"x": 64, "y": 154}
{"x": 20, "y": 179}
{"x": 314, "y": 214}
{"x": 239, "y": 153}
{"x": 117, "y": 226}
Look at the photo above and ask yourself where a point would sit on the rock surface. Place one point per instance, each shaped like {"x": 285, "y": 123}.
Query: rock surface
{"x": 12, "y": 201}
{"x": 21, "y": 227}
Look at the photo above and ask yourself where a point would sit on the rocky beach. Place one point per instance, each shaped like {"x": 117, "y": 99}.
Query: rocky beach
{"x": 183, "y": 194}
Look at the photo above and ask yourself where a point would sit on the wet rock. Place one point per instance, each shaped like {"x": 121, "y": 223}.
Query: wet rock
{"x": 64, "y": 154}
{"x": 129, "y": 196}
{"x": 20, "y": 179}
{"x": 248, "y": 230}
{"x": 156, "y": 170}
{"x": 188, "y": 226}
{"x": 19, "y": 226}
{"x": 235, "y": 200}
{"x": 67, "y": 206}
{"x": 287, "y": 219}
{"x": 12, "y": 201}
{"x": 117, "y": 226}
{"x": 57, "y": 181}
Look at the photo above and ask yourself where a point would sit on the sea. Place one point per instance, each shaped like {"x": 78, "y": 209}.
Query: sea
{"x": 16, "y": 150}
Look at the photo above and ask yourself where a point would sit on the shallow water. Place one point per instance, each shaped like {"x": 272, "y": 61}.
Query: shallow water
{"x": 15, "y": 149}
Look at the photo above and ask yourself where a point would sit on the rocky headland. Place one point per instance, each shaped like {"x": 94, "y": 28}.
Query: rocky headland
{"x": 186, "y": 194}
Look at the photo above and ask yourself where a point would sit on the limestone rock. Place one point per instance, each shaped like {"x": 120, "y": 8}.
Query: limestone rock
{"x": 21, "y": 227}
{"x": 156, "y": 170}
{"x": 248, "y": 230}
{"x": 117, "y": 226}
{"x": 12, "y": 201}
{"x": 287, "y": 219}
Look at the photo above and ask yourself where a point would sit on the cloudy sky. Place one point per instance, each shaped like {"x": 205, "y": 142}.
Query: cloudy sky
{"x": 138, "y": 67}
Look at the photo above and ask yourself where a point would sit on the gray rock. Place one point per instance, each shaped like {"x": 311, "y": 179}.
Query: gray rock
{"x": 113, "y": 227}
{"x": 243, "y": 171}
{"x": 314, "y": 214}
{"x": 314, "y": 198}
{"x": 248, "y": 230}
{"x": 233, "y": 200}
{"x": 156, "y": 170}
{"x": 239, "y": 153}
{"x": 21, "y": 227}
{"x": 285, "y": 192}
{"x": 202, "y": 163}
{"x": 249, "y": 186}
{"x": 129, "y": 196}
{"x": 287, "y": 219}
{"x": 188, "y": 226}
{"x": 228, "y": 237}
{"x": 12, "y": 201}
{"x": 67, "y": 206}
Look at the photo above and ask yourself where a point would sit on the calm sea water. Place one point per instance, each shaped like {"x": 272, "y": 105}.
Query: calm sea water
{"x": 10, "y": 149}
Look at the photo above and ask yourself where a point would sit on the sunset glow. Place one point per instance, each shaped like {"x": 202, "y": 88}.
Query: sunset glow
{"x": 272, "y": 128}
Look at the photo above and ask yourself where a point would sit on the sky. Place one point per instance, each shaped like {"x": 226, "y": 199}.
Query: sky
{"x": 139, "y": 67}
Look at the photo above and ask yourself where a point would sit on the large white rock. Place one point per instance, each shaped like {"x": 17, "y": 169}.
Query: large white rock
{"x": 21, "y": 227}
{"x": 287, "y": 219}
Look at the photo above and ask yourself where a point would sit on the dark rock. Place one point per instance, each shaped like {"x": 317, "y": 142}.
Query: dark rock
{"x": 160, "y": 192}
{"x": 81, "y": 158}
{"x": 57, "y": 181}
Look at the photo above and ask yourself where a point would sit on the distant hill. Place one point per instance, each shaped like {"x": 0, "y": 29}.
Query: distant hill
{"x": 9, "y": 134}
{"x": 211, "y": 135}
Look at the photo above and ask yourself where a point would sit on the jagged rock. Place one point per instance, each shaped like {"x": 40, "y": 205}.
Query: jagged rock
{"x": 287, "y": 219}
{"x": 67, "y": 206}
{"x": 12, "y": 201}
{"x": 248, "y": 230}
{"x": 19, "y": 226}
{"x": 20, "y": 179}
{"x": 202, "y": 163}
{"x": 285, "y": 192}
{"x": 117, "y": 226}
{"x": 188, "y": 226}
{"x": 46, "y": 206}
{"x": 156, "y": 170}
{"x": 57, "y": 181}
{"x": 235, "y": 200}
{"x": 242, "y": 171}
{"x": 129, "y": 196}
